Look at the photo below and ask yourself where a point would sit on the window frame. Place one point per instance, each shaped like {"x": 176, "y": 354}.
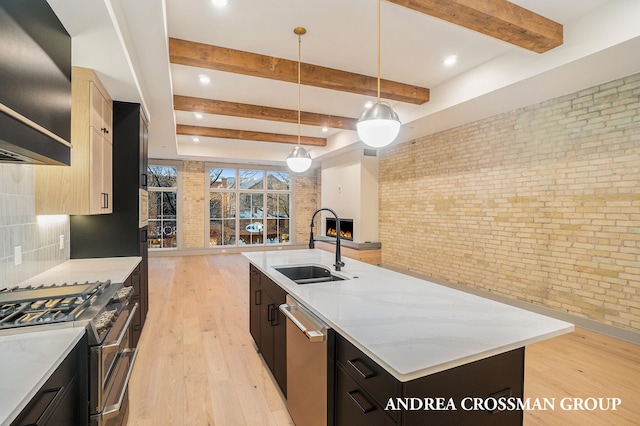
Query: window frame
{"x": 178, "y": 191}
{"x": 239, "y": 192}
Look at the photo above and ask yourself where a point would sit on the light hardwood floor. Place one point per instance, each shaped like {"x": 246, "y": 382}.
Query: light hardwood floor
{"x": 198, "y": 366}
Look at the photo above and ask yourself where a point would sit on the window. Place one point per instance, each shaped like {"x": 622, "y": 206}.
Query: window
{"x": 163, "y": 208}
{"x": 248, "y": 207}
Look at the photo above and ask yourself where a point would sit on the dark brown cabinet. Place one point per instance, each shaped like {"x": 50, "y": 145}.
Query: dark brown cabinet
{"x": 364, "y": 389}
{"x": 62, "y": 400}
{"x": 267, "y": 325}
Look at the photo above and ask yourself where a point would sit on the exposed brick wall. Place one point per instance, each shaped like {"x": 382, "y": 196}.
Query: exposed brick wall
{"x": 307, "y": 200}
{"x": 193, "y": 205}
{"x": 541, "y": 204}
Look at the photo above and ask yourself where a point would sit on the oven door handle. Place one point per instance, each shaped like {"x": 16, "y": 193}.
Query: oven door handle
{"x": 113, "y": 410}
{"x": 112, "y": 347}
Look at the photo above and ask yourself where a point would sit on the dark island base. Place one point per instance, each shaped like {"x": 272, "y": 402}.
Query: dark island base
{"x": 368, "y": 395}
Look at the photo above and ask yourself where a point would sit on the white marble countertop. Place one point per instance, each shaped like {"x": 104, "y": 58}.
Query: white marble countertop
{"x": 29, "y": 356}
{"x": 116, "y": 269}
{"x": 27, "y": 360}
{"x": 410, "y": 326}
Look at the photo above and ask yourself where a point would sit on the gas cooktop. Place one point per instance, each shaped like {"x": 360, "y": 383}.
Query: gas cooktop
{"x": 97, "y": 303}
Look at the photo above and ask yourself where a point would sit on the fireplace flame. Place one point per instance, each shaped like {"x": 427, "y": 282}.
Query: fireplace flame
{"x": 331, "y": 232}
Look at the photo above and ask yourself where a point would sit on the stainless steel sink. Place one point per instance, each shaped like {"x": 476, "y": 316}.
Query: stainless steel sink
{"x": 309, "y": 274}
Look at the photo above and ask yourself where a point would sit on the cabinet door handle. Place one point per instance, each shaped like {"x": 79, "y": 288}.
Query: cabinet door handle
{"x": 270, "y": 307}
{"x": 144, "y": 179}
{"x": 369, "y": 373}
{"x": 257, "y": 297}
{"x": 275, "y": 316}
{"x": 105, "y": 131}
{"x": 361, "y": 401}
{"x": 145, "y": 236}
{"x": 53, "y": 404}
{"x": 105, "y": 200}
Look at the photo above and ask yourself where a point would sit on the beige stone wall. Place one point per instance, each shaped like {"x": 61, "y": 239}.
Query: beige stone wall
{"x": 193, "y": 219}
{"x": 307, "y": 199}
{"x": 541, "y": 204}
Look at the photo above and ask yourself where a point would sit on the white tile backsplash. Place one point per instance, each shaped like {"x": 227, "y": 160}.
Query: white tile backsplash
{"x": 19, "y": 226}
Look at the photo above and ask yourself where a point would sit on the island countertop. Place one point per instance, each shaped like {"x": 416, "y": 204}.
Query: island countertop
{"x": 411, "y": 327}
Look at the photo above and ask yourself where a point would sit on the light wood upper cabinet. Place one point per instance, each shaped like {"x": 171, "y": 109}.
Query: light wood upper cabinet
{"x": 86, "y": 186}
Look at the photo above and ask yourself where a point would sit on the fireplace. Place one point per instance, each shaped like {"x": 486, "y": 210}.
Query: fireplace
{"x": 346, "y": 228}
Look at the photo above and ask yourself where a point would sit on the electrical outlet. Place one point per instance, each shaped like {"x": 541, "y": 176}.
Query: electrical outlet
{"x": 17, "y": 255}
{"x": 62, "y": 242}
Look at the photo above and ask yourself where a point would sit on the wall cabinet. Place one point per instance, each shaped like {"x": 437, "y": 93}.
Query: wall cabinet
{"x": 267, "y": 325}
{"x": 86, "y": 186}
{"x": 62, "y": 400}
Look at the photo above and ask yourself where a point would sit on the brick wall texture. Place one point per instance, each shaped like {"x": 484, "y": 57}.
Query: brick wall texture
{"x": 541, "y": 204}
{"x": 307, "y": 200}
{"x": 193, "y": 205}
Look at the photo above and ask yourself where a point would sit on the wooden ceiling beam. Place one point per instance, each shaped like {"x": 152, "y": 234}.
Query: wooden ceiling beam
{"x": 496, "y": 18}
{"x": 234, "y": 109}
{"x": 236, "y": 61}
{"x": 247, "y": 135}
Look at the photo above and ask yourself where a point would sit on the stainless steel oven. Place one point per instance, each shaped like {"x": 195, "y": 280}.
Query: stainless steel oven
{"x": 105, "y": 310}
{"x": 110, "y": 366}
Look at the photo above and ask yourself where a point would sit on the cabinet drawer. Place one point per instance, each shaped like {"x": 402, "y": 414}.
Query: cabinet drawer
{"x": 61, "y": 401}
{"x": 354, "y": 406}
{"x": 367, "y": 373}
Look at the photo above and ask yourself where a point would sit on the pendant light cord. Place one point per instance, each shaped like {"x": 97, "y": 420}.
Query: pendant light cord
{"x": 379, "y": 1}
{"x": 299, "y": 43}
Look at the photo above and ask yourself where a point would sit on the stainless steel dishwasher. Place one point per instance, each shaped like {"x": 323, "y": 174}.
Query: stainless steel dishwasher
{"x": 307, "y": 361}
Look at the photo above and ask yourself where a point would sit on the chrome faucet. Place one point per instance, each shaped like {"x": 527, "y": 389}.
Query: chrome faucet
{"x": 339, "y": 263}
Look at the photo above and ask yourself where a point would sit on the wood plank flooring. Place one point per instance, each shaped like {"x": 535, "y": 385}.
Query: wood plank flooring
{"x": 198, "y": 366}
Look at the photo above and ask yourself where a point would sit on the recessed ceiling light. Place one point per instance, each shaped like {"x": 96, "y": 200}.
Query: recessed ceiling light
{"x": 198, "y": 115}
{"x": 196, "y": 139}
{"x": 219, "y": 3}
{"x": 450, "y": 60}
{"x": 368, "y": 104}
{"x": 325, "y": 129}
{"x": 204, "y": 79}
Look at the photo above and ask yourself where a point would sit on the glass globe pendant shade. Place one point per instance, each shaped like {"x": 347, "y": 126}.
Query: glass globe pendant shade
{"x": 378, "y": 126}
{"x": 299, "y": 159}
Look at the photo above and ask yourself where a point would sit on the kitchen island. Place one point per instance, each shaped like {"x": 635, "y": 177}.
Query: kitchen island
{"x": 414, "y": 329}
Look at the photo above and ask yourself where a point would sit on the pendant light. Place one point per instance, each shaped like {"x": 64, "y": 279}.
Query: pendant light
{"x": 379, "y": 125}
{"x": 299, "y": 159}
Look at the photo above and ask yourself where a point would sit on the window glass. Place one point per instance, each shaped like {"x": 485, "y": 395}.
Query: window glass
{"x": 163, "y": 207}
{"x": 280, "y": 181}
{"x": 222, "y": 178}
{"x": 278, "y": 218}
{"x": 222, "y": 218}
{"x": 162, "y": 176}
{"x": 252, "y": 179}
{"x": 251, "y": 212}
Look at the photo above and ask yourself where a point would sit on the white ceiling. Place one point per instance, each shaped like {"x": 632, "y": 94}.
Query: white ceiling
{"x": 126, "y": 42}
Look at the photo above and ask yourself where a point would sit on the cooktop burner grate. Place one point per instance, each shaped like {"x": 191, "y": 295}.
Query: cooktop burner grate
{"x": 22, "y": 306}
